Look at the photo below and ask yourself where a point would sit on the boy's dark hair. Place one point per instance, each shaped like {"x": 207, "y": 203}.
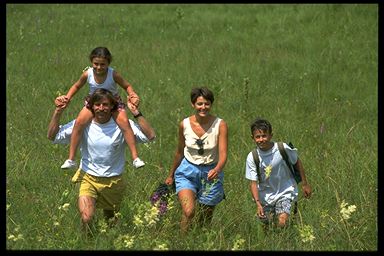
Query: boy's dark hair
{"x": 100, "y": 94}
{"x": 201, "y": 91}
{"x": 101, "y": 52}
{"x": 261, "y": 124}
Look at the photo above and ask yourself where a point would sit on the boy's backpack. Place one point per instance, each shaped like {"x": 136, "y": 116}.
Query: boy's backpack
{"x": 295, "y": 172}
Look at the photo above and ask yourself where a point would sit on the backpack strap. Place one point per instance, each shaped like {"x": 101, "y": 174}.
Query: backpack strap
{"x": 257, "y": 163}
{"x": 284, "y": 155}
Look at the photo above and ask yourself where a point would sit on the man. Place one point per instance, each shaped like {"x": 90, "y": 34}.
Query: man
{"x": 102, "y": 147}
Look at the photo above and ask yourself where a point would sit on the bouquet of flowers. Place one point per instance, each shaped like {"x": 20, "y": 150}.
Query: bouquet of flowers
{"x": 161, "y": 197}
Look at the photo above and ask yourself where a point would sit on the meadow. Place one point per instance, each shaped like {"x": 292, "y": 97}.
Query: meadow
{"x": 310, "y": 69}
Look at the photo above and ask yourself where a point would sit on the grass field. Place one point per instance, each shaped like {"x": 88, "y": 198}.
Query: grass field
{"x": 309, "y": 69}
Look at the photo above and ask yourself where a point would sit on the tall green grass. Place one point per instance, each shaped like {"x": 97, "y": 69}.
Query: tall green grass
{"x": 309, "y": 69}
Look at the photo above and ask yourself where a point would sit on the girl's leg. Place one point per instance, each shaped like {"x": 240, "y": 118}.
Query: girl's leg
{"x": 122, "y": 121}
{"x": 82, "y": 120}
{"x": 187, "y": 201}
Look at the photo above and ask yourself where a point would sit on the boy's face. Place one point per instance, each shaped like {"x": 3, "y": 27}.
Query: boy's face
{"x": 262, "y": 139}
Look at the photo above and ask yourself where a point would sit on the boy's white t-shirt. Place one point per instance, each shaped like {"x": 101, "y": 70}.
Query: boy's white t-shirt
{"x": 102, "y": 147}
{"x": 280, "y": 183}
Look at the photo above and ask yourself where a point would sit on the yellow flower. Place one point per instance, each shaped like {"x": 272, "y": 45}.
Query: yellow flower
{"x": 306, "y": 234}
{"x": 346, "y": 210}
{"x": 268, "y": 171}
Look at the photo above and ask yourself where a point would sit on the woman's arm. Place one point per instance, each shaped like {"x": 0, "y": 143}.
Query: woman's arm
{"x": 223, "y": 149}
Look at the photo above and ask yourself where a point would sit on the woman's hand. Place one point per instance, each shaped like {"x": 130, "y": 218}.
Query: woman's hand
{"x": 212, "y": 174}
{"x": 169, "y": 181}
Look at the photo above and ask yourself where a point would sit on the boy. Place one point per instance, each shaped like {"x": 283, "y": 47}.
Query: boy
{"x": 276, "y": 189}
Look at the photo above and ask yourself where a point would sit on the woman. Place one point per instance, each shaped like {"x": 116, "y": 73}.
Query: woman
{"x": 199, "y": 160}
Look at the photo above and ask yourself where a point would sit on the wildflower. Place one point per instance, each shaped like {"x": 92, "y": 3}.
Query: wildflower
{"x": 64, "y": 207}
{"x": 306, "y": 234}
{"x": 346, "y": 210}
{"x": 268, "y": 171}
{"x": 238, "y": 244}
{"x": 15, "y": 238}
{"x": 124, "y": 241}
{"x": 161, "y": 247}
{"x": 137, "y": 220}
{"x": 103, "y": 226}
{"x": 151, "y": 216}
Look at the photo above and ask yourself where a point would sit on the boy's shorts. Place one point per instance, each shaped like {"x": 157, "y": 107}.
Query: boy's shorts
{"x": 194, "y": 177}
{"x": 108, "y": 191}
{"x": 282, "y": 205}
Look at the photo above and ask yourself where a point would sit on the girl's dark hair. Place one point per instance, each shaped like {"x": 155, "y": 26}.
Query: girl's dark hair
{"x": 202, "y": 91}
{"x": 100, "y": 94}
{"x": 261, "y": 124}
{"x": 101, "y": 52}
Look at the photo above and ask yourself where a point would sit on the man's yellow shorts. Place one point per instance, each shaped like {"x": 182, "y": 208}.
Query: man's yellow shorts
{"x": 108, "y": 191}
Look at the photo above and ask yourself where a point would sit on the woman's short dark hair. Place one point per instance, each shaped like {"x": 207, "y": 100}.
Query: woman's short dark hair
{"x": 201, "y": 91}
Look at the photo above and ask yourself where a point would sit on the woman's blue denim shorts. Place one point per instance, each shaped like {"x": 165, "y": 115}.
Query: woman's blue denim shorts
{"x": 194, "y": 177}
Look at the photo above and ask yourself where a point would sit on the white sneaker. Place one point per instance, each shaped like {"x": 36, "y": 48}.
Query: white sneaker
{"x": 137, "y": 163}
{"x": 69, "y": 164}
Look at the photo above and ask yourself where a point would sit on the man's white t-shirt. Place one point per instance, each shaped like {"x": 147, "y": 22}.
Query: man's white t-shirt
{"x": 102, "y": 146}
{"x": 280, "y": 182}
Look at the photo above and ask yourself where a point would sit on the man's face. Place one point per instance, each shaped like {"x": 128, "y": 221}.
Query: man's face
{"x": 262, "y": 139}
{"x": 102, "y": 110}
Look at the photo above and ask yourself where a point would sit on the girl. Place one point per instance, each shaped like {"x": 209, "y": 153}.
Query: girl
{"x": 101, "y": 76}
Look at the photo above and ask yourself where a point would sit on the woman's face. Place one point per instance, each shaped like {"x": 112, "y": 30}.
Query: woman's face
{"x": 202, "y": 106}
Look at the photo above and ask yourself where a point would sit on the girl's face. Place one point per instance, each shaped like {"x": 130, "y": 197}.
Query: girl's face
{"x": 100, "y": 65}
{"x": 202, "y": 106}
{"x": 262, "y": 139}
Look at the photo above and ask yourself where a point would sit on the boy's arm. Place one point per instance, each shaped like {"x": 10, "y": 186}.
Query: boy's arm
{"x": 255, "y": 195}
{"x": 305, "y": 185}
